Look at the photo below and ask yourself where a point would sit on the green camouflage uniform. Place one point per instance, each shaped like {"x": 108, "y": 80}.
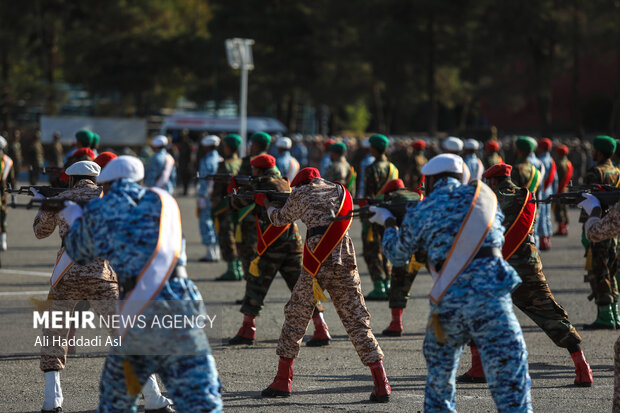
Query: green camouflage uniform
{"x": 222, "y": 215}
{"x": 601, "y": 257}
{"x": 402, "y": 277}
{"x": 376, "y": 176}
{"x": 490, "y": 159}
{"x": 522, "y": 174}
{"x": 415, "y": 172}
{"x": 533, "y": 296}
{"x": 284, "y": 255}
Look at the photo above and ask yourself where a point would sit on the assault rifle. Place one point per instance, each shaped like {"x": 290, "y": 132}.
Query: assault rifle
{"x": 608, "y": 195}
{"x": 275, "y": 197}
{"x": 45, "y": 190}
{"x": 397, "y": 208}
{"x": 48, "y": 170}
{"x": 53, "y": 204}
{"x": 241, "y": 180}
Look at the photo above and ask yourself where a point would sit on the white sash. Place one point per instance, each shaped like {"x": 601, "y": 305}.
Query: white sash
{"x": 293, "y": 169}
{"x": 154, "y": 275}
{"x": 8, "y": 164}
{"x": 165, "y": 175}
{"x": 466, "y": 174}
{"x": 468, "y": 240}
{"x": 63, "y": 264}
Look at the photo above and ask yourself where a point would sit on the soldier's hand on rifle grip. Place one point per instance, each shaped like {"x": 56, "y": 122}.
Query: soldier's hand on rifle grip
{"x": 380, "y": 215}
{"x": 589, "y": 203}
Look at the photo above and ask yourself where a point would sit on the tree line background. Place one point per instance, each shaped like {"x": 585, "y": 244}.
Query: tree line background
{"x": 391, "y": 66}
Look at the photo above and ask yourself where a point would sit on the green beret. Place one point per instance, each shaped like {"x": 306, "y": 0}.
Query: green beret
{"x": 232, "y": 140}
{"x": 617, "y": 146}
{"x": 525, "y": 144}
{"x": 379, "y": 142}
{"x": 85, "y": 137}
{"x": 261, "y": 138}
{"x": 605, "y": 144}
{"x": 338, "y": 148}
{"x": 96, "y": 140}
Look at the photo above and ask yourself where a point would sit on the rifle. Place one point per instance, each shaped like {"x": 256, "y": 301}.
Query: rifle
{"x": 48, "y": 170}
{"x": 45, "y": 190}
{"x": 242, "y": 180}
{"x": 275, "y": 197}
{"x": 397, "y": 208}
{"x": 53, "y": 204}
{"x": 607, "y": 195}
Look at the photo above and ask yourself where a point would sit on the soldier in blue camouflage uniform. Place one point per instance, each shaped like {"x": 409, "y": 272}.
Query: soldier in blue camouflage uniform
{"x": 159, "y": 172}
{"x": 123, "y": 227}
{"x": 208, "y": 166}
{"x": 476, "y": 306}
{"x": 544, "y": 210}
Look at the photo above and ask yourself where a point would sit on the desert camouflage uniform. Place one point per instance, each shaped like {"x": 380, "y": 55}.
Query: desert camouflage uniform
{"x": 533, "y": 296}
{"x": 376, "y": 176}
{"x": 284, "y": 255}
{"x": 314, "y": 204}
{"x": 95, "y": 282}
{"x": 598, "y": 230}
{"x": 221, "y": 212}
{"x": 477, "y": 305}
{"x": 602, "y": 257}
{"x": 123, "y": 227}
{"x": 340, "y": 171}
{"x": 402, "y": 276}
{"x": 561, "y": 210}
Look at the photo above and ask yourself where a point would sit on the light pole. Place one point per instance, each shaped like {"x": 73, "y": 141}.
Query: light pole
{"x": 239, "y": 55}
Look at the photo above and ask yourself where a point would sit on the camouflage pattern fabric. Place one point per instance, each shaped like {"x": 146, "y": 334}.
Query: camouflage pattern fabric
{"x": 156, "y": 168}
{"x": 543, "y": 228}
{"x": 226, "y": 234}
{"x": 476, "y": 306}
{"x": 533, "y": 296}
{"x": 314, "y": 204}
{"x": 340, "y": 171}
{"x": 561, "y": 211}
{"x": 208, "y": 166}
{"x": 488, "y": 160}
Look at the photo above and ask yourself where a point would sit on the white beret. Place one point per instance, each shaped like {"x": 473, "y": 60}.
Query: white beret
{"x": 284, "y": 143}
{"x": 123, "y": 167}
{"x": 85, "y": 168}
{"x": 210, "y": 140}
{"x": 444, "y": 163}
{"x": 471, "y": 144}
{"x": 366, "y": 143}
{"x": 3, "y": 142}
{"x": 159, "y": 141}
{"x": 452, "y": 144}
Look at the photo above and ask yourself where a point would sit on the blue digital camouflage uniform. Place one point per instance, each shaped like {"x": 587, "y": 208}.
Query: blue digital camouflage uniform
{"x": 366, "y": 162}
{"x": 325, "y": 162}
{"x": 123, "y": 228}
{"x": 544, "y": 210}
{"x": 156, "y": 168}
{"x": 283, "y": 162}
{"x": 471, "y": 160}
{"x": 208, "y": 166}
{"x": 476, "y": 306}
{"x": 300, "y": 152}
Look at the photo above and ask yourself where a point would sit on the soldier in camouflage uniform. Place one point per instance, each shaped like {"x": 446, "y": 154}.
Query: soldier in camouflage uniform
{"x": 414, "y": 175}
{"x": 402, "y": 276}
{"x": 601, "y": 257}
{"x": 7, "y": 178}
{"x": 339, "y": 169}
{"x": 524, "y": 173}
{"x": 476, "y": 305}
{"x": 208, "y": 166}
{"x": 282, "y": 255}
{"x": 222, "y": 215}
{"x": 565, "y": 173}
{"x": 377, "y": 175}
{"x": 533, "y": 296}
{"x": 491, "y": 154}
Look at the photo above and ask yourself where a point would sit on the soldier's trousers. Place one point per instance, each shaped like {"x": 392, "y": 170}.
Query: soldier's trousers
{"x": 246, "y": 249}
{"x": 342, "y": 282}
{"x": 101, "y": 294}
{"x": 282, "y": 256}
{"x": 192, "y": 382}
{"x": 561, "y": 213}
{"x": 536, "y": 300}
{"x": 226, "y": 237}
{"x": 602, "y": 265}
{"x": 544, "y": 220}
{"x": 488, "y": 320}
{"x": 207, "y": 228}
{"x": 378, "y": 265}
{"x": 401, "y": 285}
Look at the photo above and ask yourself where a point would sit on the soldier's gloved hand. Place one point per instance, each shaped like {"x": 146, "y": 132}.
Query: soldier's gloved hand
{"x": 201, "y": 203}
{"x": 36, "y": 194}
{"x": 380, "y": 215}
{"x": 71, "y": 212}
{"x": 589, "y": 203}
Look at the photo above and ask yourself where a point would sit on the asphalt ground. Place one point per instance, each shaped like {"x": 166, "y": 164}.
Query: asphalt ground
{"x": 325, "y": 378}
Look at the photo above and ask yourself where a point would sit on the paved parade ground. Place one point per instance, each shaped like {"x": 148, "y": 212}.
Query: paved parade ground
{"x": 325, "y": 378}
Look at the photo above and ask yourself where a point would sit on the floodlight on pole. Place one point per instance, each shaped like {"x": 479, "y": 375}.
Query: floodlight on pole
{"x": 239, "y": 55}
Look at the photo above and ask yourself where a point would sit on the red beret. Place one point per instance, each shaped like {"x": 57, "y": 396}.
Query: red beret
{"x": 84, "y": 152}
{"x": 393, "y": 185}
{"x": 305, "y": 176}
{"x": 418, "y": 144}
{"x": 491, "y": 146}
{"x": 500, "y": 169}
{"x": 328, "y": 143}
{"x": 561, "y": 150}
{"x": 103, "y": 158}
{"x": 263, "y": 161}
{"x": 544, "y": 144}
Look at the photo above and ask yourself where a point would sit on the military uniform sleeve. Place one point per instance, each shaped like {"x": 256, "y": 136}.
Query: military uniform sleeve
{"x": 44, "y": 224}
{"x": 369, "y": 181}
{"x": 592, "y": 177}
{"x": 79, "y": 242}
{"x": 400, "y": 245}
{"x": 292, "y": 210}
{"x": 600, "y": 229}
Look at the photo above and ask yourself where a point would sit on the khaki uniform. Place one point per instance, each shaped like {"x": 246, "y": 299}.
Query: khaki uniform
{"x": 340, "y": 171}
{"x": 223, "y": 220}
{"x": 95, "y": 282}
{"x": 314, "y": 204}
